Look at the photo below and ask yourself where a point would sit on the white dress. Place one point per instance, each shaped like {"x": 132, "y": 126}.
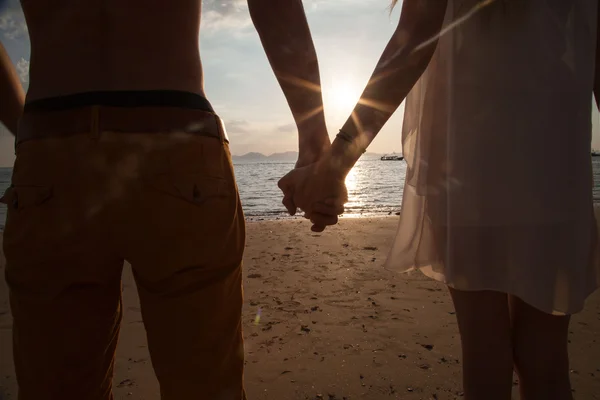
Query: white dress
{"x": 497, "y": 135}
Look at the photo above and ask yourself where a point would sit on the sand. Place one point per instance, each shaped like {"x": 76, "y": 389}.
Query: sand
{"x": 333, "y": 323}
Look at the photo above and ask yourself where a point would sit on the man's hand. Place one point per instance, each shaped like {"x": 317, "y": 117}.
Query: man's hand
{"x": 318, "y": 190}
{"x": 310, "y": 153}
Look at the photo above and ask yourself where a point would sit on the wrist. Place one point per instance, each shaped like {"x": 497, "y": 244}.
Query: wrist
{"x": 338, "y": 160}
{"x": 313, "y": 144}
{"x": 345, "y": 151}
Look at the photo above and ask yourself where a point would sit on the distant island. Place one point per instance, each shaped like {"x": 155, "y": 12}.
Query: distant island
{"x": 285, "y": 156}
{"x": 288, "y": 156}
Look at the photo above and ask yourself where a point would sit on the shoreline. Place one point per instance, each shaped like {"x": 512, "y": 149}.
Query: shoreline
{"x": 270, "y": 218}
{"x": 290, "y": 218}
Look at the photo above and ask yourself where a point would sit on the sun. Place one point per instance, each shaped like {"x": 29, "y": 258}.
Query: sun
{"x": 344, "y": 97}
{"x": 341, "y": 96}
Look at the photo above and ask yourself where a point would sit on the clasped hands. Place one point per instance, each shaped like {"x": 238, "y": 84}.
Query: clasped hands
{"x": 318, "y": 189}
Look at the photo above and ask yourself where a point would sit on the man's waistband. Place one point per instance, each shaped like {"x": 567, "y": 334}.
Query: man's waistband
{"x": 97, "y": 119}
{"x": 121, "y": 98}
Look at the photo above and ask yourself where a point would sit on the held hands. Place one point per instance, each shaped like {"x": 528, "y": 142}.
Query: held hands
{"x": 318, "y": 189}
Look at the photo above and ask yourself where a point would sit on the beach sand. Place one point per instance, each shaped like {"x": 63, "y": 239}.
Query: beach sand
{"x": 333, "y": 323}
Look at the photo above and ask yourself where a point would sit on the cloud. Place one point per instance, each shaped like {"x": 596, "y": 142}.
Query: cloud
{"x": 224, "y": 7}
{"x": 12, "y": 21}
{"x": 220, "y": 15}
{"x": 23, "y": 70}
{"x": 347, "y": 5}
{"x": 237, "y": 126}
{"x": 260, "y": 136}
{"x": 288, "y": 128}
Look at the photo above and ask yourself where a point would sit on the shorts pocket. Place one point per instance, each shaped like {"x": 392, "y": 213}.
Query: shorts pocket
{"x": 29, "y": 223}
{"x": 21, "y": 197}
{"x": 193, "y": 188}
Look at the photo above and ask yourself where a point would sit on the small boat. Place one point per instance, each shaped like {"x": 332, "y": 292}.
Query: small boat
{"x": 595, "y": 153}
{"x": 391, "y": 157}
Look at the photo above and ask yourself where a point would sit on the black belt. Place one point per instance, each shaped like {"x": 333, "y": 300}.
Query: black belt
{"x": 97, "y": 119}
{"x": 122, "y": 98}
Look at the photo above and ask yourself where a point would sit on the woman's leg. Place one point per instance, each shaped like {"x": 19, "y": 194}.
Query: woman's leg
{"x": 540, "y": 352}
{"x": 485, "y": 330}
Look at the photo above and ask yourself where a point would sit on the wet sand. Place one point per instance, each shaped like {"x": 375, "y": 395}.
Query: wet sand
{"x": 333, "y": 323}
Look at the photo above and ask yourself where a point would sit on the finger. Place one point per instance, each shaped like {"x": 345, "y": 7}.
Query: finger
{"x": 288, "y": 202}
{"x": 317, "y": 228}
{"x": 320, "y": 222}
{"x": 328, "y": 209}
{"x": 285, "y": 183}
{"x": 341, "y": 198}
{"x": 323, "y": 220}
{"x": 287, "y": 187}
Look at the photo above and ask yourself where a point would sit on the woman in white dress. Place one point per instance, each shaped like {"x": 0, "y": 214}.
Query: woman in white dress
{"x": 498, "y": 196}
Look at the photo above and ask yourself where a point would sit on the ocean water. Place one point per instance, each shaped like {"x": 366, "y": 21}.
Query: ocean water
{"x": 374, "y": 187}
{"x": 5, "y": 175}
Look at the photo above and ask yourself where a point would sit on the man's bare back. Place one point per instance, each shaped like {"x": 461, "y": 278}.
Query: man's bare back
{"x": 106, "y": 45}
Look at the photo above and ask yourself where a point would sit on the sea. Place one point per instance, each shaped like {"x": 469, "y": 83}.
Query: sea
{"x": 374, "y": 187}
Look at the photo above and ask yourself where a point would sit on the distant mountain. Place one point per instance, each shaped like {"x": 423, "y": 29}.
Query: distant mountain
{"x": 287, "y": 156}
{"x": 250, "y": 157}
{"x": 290, "y": 156}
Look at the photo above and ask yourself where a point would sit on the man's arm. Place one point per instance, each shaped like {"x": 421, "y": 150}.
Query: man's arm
{"x": 12, "y": 96}
{"x": 402, "y": 63}
{"x": 285, "y": 36}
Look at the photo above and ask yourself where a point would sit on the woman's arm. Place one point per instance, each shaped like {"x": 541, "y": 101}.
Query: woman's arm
{"x": 402, "y": 63}
{"x": 12, "y": 96}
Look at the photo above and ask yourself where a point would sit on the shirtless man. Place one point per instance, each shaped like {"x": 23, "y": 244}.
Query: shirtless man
{"x": 128, "y": 161}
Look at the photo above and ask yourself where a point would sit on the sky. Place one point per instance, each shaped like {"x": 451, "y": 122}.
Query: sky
{"x": 349, "y": 36}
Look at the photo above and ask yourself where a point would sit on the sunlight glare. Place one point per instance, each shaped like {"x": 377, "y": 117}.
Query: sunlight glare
{"x": 341, "y": 96}
{"x": 351, "y": 181}
{"x": 344, "y": 97}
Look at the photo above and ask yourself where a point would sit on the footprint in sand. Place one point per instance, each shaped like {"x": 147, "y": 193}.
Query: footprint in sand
{"x": 139, "y": 360}
{"x": 126, "y": 383}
